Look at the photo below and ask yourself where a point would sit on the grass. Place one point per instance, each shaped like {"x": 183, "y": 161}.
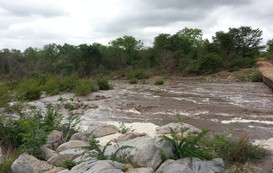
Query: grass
{"x": 10, "y": 156}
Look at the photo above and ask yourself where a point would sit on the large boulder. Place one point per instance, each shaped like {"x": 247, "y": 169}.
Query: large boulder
{"x": 129, "y": 136}
{"x": 48, "y": 152}
{"x": 72, "y": 144}
{"x": 29, "y": 164}
{"x": 192, "y": 165}
{"x": 101, "y": 129}
{"x": 79, "y": 136}
{"x": 143, "y": 151}
{"x": 69, "y": 154}
{"x": 176, "y": 128}
{"x": 140, "y": 170}
{"x": 54, "y": 139}
{"x": 99, "y": 166}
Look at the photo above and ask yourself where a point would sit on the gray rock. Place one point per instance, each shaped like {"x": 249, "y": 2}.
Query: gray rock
{"x": 100, "y": 166}
{"x": 128, "y": 136}
{"x": 100, "y": 130}
{"x": 54, "y": 139}
{"x": 194, "y": 165}
{"x": 176, "y": 127}
{"x": 171, "y": 166}
{"x": 72, "y": 144}
{"x": 140, "y": 170}
{"x": 69, "y": 154}
{"x": 144, "y": 151}
{"x": 56, "y": 170}
{"x": 48, "y": 152}
{"x": 28, "y": 164}
{"x": 79, "y": 136}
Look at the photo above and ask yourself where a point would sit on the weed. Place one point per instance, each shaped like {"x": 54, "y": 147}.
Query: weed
{"x": 95, "y": 150}
{"x": 123, "y": 129}
{"x": 188, "y": 146}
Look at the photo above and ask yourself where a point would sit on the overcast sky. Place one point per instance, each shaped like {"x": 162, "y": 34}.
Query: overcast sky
{"x": 34, "y": 23}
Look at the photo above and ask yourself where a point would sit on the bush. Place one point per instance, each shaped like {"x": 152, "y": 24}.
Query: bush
{"x": 68, "y": 83}
{"x": 4, "y": 95}
{"x": 137, "y": 74}
{"x": 256, "y": 77}
{"x": 68, "y": 164}
{"x": 85, "y": 87}
{"x": 28, "y": 89}
{"x": 103, "y": 84}
{"x": 133, "y": 81}
{"x": 52, "y": 86}
{"x": 159, "y": 82}
{"x": 240, "y": 151}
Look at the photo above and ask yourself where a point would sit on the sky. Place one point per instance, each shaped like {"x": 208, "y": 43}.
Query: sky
{"x": 35, "y": 23}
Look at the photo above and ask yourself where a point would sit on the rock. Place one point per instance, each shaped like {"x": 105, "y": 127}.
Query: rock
{"x": 56, "y": 170}
{"x": 176, "y": 127}
{"x": 79, "y": 136}
{"x": 144, "y": 151}
{"x": 54, "y": 139}
{"x": 192, "y": 165}
{"x": 69, "y": 154}
{"x": 212, "y": 166}
{"x": 48, "y": 152}
{"x": 100, "y": 130}
{"x": 72, "y": 144}
{"x": 128, "y": 136}
{"x": 28, "y": 164}
{"x": 140, "y": 170}
{"x": 170, "y": 166}
{"x": 100, "y": 166}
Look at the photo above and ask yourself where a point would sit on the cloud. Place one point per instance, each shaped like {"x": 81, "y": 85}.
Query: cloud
{"x": 33, "y": 23}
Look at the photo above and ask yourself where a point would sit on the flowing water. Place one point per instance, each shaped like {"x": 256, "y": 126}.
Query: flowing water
{"x": 231, "y": 107}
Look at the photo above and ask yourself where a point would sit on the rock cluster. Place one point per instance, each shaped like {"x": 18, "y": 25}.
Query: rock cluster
{"x": 142, "y": 150}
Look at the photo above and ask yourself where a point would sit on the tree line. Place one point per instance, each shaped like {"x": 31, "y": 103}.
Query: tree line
{"x": 184, "y": 53}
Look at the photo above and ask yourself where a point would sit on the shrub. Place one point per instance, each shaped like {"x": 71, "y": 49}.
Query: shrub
{"x": 235, "y": 151}
{"x": 159, "y": 82}
{"x": 68, "y": 164}
{"x": 52, "y": 86}
{"x": 137, "y": 74}
{"x": 4, "y": 95}
{"x": 28, "y": 89}
{"x": 256, "y": 77}
{"x": 85, "y": 87}
{"x": 68, "y": 83}
{"x": 133, "y": 81}
{"x": 103, "y": 84}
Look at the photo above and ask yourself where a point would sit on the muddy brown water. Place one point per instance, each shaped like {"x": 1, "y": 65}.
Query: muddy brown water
{"x": 231, "y": 107}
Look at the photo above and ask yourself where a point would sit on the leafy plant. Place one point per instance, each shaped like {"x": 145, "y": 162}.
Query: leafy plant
{"x": 68, "y": 164}
{"x": 85, "y": 87}
{"x": 95, "y": 150}
{"x": 123, "y": 129}
{"x": 159, "y": 82}
{"x": 123, "y": 154}
{"x": 188, "y": 145}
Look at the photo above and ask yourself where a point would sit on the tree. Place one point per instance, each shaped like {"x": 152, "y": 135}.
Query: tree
{"x": 130, "y": 45}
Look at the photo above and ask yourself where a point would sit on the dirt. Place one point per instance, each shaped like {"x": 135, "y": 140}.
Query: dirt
{"x": 266, "y": 68}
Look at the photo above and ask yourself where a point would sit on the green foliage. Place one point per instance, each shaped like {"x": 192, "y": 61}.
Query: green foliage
{"x": 28, "y": 89}
{"x": 30, "y": 131}
{"x": 9, "y": 157}
{"x": 136, "y": 74}
{"x": 159, "y": 82}
{"x": 133, "y": 81}
{"x": 85, "y": 87}
{"x": 68, "y": 164}
{"x": 188, "y": 145}
{"x": 4, "y": 95}
{"x": 95, "y": 150}
{"x": 123, "y": 129}
{"x": 103, "y": 84}
{"x": 256, "y": 77}
{"x": 68, "y": 83}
